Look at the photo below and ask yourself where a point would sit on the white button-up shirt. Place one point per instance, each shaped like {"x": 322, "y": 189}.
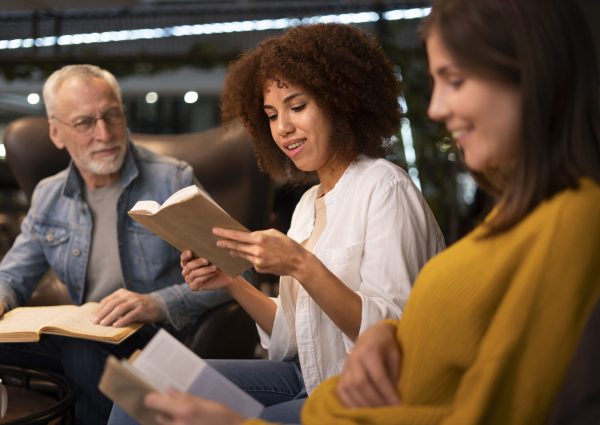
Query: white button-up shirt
{"x": 379, "y": 234}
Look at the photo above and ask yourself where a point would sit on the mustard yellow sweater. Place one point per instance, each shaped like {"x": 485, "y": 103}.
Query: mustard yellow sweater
{"x": 491, "y": 325}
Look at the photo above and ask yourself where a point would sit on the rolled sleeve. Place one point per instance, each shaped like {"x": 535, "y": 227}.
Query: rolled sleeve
{"x": 184, "y": 305}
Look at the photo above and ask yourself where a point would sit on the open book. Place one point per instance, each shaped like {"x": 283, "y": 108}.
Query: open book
{"x": 25, "y": 324}
{"x": 166, "y": 363}
{"x": 185, "y": 220}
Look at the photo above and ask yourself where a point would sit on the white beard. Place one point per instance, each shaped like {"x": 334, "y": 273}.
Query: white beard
{"x": 103, "y": 166}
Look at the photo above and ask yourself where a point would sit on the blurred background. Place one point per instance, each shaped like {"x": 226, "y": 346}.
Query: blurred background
{"x": 170, "y": 57}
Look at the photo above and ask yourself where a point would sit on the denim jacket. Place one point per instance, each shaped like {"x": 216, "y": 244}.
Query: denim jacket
{"x": 57, "y": 233}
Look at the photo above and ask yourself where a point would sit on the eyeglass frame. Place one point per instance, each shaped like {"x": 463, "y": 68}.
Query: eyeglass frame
{"x": 94, "y": 120}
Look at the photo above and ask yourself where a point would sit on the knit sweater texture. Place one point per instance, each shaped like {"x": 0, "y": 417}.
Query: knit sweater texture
{"x": 492, "y": 323}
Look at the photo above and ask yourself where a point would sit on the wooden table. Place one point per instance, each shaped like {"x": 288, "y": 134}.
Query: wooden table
{"x": 37, "y": 397}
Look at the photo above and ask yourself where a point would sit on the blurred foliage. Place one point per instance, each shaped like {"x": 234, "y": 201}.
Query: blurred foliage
{"x": 437, "y": 159}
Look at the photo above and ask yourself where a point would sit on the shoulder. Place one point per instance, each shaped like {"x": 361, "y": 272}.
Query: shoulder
{"x": 573, "y": 207}
{"x": 49, "y": 187}
{"x": 367, "y": 171}
{"x": 153, "y": 166}
{"x": 575, "y": 212}
{"x": 147, "y": 158}
{"x": 380, "y": 179}
{"x": 584, "y": 198}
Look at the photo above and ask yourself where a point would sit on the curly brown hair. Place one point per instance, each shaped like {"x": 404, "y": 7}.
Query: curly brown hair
{"x": 342, "y": 67}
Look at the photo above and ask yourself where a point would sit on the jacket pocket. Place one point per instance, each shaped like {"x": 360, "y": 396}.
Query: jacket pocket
{"x": 50, "y": 234}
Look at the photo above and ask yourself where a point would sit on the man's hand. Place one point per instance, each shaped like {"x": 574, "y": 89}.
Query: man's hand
{"x": 124, "y": 307}
{"x": 372, "y": 369}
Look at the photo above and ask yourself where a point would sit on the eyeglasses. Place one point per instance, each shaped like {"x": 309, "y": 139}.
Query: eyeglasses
{"x": 111, "y": 118}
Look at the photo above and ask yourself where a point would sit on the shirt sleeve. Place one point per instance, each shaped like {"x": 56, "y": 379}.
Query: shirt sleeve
{"x": 401, "y": 236}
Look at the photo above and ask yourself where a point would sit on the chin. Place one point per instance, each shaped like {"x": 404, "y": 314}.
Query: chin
{"x": 106, "y": 166}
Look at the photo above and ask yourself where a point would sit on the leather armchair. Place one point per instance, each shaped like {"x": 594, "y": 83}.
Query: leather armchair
{"x": 578, "y": 400}
{"x": 223, "y": 162}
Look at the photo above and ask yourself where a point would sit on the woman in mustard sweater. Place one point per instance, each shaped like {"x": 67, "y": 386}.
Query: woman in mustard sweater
{"x": 493, "y": 321}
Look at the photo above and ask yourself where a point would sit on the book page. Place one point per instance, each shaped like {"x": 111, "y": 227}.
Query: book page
{"x": 147, "y": 207}
{"x": 31, "y": 319}
{"x": 166, "y": 362}
{"x": 77, "y": 321}
{"x": 123, "y": 384}
{"x": 181, "y": 195}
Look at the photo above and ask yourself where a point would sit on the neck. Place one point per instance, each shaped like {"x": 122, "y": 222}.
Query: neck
{"x": 330, "y": 174}
{"x": 95, "y": 181}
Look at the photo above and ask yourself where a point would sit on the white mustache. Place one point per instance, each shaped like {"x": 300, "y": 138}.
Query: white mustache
{"x": 104, "y": 148}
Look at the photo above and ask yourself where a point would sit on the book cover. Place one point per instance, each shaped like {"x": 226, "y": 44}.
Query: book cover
{"x": 166, "y": 363}
{"x": 26, "y": 324}
{"x": 185, "y": 220}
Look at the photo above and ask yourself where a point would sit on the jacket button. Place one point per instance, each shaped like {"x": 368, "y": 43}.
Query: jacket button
{"x": 76, "y": 252}
{"x": 50, "y": 236}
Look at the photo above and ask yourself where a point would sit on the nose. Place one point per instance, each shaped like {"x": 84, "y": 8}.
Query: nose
{"x": 285, "y": 125}
{"x": 101, "y": 131}
{"x": 438, "y": 108}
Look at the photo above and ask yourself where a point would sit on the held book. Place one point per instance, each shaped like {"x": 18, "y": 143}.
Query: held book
{"x": 185, "y": 220}
{"x": 166, "y": 363}
{"x": 26, "y": 324}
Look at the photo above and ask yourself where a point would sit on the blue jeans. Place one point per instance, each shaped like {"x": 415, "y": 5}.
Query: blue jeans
{"x": 278, "y": 385}
{"x": 81, "y": 361}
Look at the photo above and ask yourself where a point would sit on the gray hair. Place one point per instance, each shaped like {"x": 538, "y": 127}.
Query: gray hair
{"x": 84, "y": 71}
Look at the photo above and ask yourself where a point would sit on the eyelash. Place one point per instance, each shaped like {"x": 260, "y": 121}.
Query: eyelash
{"x": 298, "y": 108}
{"x": 456, "y": 83}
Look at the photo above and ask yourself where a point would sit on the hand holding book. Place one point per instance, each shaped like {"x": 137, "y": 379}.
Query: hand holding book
{"x": 167, "y": 369}
{"x": 185, "y": 220}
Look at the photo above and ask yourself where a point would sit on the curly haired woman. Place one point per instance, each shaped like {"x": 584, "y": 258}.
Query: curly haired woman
{"x": 323, "y": 100}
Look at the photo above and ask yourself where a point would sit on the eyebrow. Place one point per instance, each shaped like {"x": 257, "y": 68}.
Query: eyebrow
{"x": 286, "y": 100}
{"x": 442, "y": 71}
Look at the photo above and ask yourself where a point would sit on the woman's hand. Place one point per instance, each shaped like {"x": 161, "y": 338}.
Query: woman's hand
{"x": 372, "y": 369}
{"x": 199, "y": 274}
{"x": 270, "y": 251}
{"x": 176, "y": 408}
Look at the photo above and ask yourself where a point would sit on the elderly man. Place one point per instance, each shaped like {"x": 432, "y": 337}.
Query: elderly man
{"x": 78, "y": 225}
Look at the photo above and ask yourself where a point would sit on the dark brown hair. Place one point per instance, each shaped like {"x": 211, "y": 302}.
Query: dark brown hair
{"x": 544, "y": 48}
{"x": 342, "y": 67}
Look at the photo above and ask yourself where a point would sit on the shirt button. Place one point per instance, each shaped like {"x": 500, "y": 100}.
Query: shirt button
{"x": 76, "y": 252}
{"x": 50, "y": 236}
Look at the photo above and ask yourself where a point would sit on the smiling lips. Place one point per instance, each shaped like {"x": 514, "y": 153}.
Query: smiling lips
{"x": 293, "y": 147}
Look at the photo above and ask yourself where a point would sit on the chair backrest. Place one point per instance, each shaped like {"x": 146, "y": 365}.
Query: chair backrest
{"x": 578, "y": 400}
{"x": 223, "y": 162}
